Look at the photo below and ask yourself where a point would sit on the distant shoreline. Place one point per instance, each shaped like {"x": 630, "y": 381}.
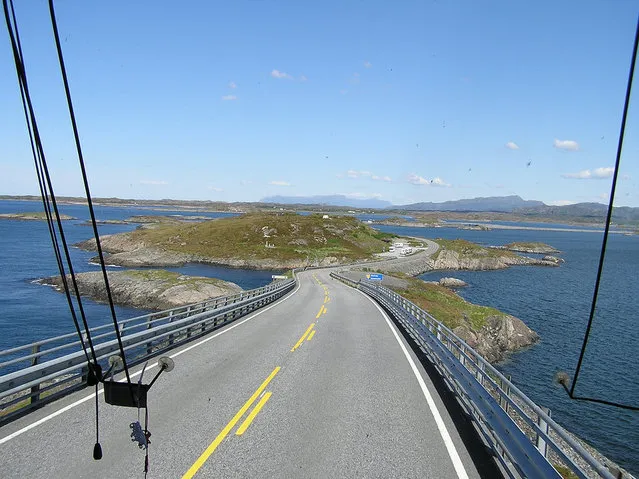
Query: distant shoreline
{"x": 249, "y": 207}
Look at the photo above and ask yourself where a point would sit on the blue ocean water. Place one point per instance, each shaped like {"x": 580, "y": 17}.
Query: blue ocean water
{"x": 555, "y": 302}
{"x": 31, "y": 311}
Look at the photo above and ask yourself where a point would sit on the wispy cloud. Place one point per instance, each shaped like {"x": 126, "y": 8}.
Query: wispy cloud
{"x": 303, "y": 78}
{"x": 229, "y": 97}
{"x": 596, "y": 174}
{"x": 216, "y": 189}
{"x": 367, "y": 64}
{"x": 358, "y": 173}
{"x": 281, "y": 75}
{"x": 232, "y": 85}
{"x": 354, "y": 78}
{"x": 364, "y": 174}
{"x": 569, "y": 145}
{"x": 562, "y": 202}
{"x": 279, "y": 183}
{"x": 420, "y": 180}
{"x": 381, "y": 178}
{"x": 511, "y": 145}
{"x": 154, "y": 182}
{"x": 343, "y": 92}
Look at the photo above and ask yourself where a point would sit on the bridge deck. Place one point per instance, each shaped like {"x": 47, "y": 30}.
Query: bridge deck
{"x": 346, "y": 402}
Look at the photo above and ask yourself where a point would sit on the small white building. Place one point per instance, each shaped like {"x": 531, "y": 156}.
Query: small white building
{"x": 398, "y": 245}
{"x": 325, "y": 217}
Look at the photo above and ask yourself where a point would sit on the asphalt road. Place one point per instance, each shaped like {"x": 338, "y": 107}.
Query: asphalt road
{"x": 318, "y": 385}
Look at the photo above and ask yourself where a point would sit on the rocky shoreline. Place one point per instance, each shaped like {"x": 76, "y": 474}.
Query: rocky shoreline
{"x": 147, "y": 289}
{"x": 39, "y": 216}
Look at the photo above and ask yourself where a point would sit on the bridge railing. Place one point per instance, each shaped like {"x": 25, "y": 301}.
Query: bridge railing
{"x": 522, "y": 435}
{"x": 42, "y": 371}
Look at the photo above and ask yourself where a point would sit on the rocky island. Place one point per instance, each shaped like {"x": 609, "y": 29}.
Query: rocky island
{"x": 260, "y": 241}
{"x": 531, "y": 248}
{"x": 32, "y": 216}
{"x": 148, "y": 289}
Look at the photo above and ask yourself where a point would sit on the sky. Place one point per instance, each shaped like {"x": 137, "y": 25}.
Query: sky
{"x": 402, "y": 101}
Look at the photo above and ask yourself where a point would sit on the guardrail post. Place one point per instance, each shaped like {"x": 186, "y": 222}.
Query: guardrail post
{"x": 479, "y": 373}
{"x": 543, "y": 425}
{"x": 149, "y": 325}
{"x": 35, "y": 390}
{"x": 505, "y": 392}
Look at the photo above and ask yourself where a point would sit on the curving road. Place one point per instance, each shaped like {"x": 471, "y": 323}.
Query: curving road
{"x": 319, "y": 384}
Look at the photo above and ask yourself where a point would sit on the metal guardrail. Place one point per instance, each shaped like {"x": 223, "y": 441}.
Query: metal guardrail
{"x": 45, "y": 370}
{"x": 522, "y": 435}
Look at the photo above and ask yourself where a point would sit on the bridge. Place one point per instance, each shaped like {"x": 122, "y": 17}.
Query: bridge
{"x": 318, "y": 376}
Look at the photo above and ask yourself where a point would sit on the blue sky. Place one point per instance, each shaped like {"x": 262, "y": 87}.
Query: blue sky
{"x": 403, "y": 101}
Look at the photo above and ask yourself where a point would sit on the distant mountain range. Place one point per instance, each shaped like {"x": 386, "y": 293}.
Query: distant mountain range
{"x": 329, "y": 200}
{"x": 500, "y": 204}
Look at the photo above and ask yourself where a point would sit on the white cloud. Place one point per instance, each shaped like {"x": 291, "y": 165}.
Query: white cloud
{"x": 596, "y": 174}
{"x": 381, "y": 178}
{"x": 355, "y": 78}
{"x": 358, "y": 173}
{"x": 367, "y": 64}
{"x": 511, "y": 145}
{"x": 232, "y": 85}
{"x": 245, "y": 182}
{"x": 216, "y": 189}
{"x": 569, "y": 145}
{"x": 562, "y": 203}
{"x": 279, "y": 74}
{"x": 279, "y": 183}
{"x": 420, "y": 180}
{"x": 365, "y": 174}
{"x": 229, "y": 97}
{"x": 303, "y": 78}
{"x": 154, "y": 182}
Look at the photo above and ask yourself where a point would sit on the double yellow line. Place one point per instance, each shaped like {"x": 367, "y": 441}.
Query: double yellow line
{"x": 310, "y": 331}
{"x": 247, "y": 422}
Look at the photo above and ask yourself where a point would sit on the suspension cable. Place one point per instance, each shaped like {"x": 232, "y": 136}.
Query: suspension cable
{"x": 602, "y": 256}
{"x": 76, "y": 136}
{"x": 43, "y": 173}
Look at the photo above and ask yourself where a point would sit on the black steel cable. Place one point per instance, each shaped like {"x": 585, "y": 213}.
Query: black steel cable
{"x": 602, "y": 256}
{"x": 42, "y": 171}
{"x": 76, "y": 136}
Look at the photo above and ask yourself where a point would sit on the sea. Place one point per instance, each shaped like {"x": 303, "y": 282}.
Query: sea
{"x": 553, "y": 301}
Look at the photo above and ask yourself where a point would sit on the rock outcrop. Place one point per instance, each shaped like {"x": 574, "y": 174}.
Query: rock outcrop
{"x": 452, "y": 283}
{"x": 448, "y": 259}
{"x": 498, "y": 337}
{"x": 148, "y": 289}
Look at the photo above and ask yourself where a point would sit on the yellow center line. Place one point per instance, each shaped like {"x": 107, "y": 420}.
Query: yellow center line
{"x": 324, "y": 312}
{"x": 249, "y": 419}
{"x": 220, "y": 437}
{"x": 326, "y": 299}
{"x": 301, "y": 340}
{"x": 321, "y": 310}
{"x": 310, "y": 336}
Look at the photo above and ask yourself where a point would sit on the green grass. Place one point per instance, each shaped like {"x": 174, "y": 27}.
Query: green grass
{"x": 292, "y": 237}
{"x": 168, "y": 277}
{"x": 445, "y": 305}
{"x": 565, "y": 472}
{"x": 466, "y": 248}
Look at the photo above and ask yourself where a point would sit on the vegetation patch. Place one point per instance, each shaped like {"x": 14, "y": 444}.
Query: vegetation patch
{"x": 279, "y": 236}
{"x": 445, "y": 305}
{"x": 466, "y": 248}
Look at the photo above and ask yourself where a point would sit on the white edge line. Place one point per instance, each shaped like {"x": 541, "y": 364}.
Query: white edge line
{"x": 448, "y": 442}
{"x": 137, "y": 373}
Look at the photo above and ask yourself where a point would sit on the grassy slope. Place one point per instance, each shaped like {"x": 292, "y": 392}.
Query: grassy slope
{"x": 293, "y": 237}
{"x": 445, "y": 305}
{"x": 466, "y": 248}
{"x": 169, "y": 277}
